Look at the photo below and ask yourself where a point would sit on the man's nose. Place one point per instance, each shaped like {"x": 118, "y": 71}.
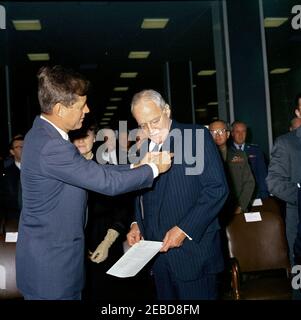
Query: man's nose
{"x": 149, "y": 127}
{"x": 86, "y": 109}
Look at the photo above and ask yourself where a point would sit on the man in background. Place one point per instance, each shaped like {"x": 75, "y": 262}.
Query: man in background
{"x": 10, "y": 188}
{"x": 284, "y": 175}
{"x": 255, "y": 157}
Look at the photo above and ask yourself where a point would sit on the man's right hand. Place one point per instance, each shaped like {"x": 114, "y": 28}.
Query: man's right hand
{"x": 134, "y": 234}
{"x": 161, "y": 159}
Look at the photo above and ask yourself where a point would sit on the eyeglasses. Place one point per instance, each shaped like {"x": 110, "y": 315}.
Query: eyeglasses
{"x": 218, "y": 132}
{"x": 153, "y": 123}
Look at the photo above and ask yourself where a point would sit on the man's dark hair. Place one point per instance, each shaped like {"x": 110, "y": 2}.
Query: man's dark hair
{"x": 58, "y": 84}
{"x": 18, "y": 137}
{"x": 296, "y": 101}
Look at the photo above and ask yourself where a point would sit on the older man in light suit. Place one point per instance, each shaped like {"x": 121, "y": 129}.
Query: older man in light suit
{"x": 54, "y": 176}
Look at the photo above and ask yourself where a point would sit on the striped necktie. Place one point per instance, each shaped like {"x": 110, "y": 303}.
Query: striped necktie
{"x": 156, "y": 148}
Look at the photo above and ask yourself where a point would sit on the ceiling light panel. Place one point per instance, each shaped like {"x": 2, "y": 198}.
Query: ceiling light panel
{"x": 279, "y": 70}
{"x": 206, "y": 72}
{"x": 154, "y": 23}
{"x": 128, "y": 74}
{"x": 139, "y": 54}
{"x": 274, "y": 22}
{"x": 38, "y": 56}
{"x": 27, "y": 25}
{"x": 121, "y": 88}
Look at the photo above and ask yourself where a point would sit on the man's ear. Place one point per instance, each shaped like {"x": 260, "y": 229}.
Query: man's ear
{"x": 298, "y": 113}
{"x": 167, "y": 110}
{"x": 58, "y": 109}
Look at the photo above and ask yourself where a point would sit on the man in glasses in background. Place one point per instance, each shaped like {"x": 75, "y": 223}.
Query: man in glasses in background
{"x": 240, "y": 179}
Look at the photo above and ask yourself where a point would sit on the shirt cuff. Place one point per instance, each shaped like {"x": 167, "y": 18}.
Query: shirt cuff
{"x": 134, "y": 222}
{"x": 155, "y": 169}
{"x": 186, "y": 234}
{"x": 153, "y": 166}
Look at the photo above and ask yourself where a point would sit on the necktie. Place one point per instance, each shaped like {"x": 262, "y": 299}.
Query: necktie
{"x": 156, "y": 148}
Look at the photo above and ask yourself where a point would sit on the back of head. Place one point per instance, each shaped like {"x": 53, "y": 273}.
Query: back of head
{"x": 58, "y": 84}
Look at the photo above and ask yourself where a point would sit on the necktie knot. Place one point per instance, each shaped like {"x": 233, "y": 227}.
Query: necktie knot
{"x": 156, "y": 148}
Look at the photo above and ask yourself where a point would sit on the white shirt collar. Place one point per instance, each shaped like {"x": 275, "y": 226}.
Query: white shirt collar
{"x": 61, "y": 132}
{"x": 18, "y": 164}
{"x": 237, "y": 146}
{"x": 110, "y": 157}
{"x": 152, "y": 146}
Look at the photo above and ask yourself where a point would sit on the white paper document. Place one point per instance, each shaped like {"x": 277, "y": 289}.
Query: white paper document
{"x": 252, "y": 216}
{"x": 257, "y": 202}
{"x": 11, "y": 236}
{"x": 135, "y": 259}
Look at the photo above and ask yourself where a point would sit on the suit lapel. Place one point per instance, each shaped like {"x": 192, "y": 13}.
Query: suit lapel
{"x": 164, "y": 178}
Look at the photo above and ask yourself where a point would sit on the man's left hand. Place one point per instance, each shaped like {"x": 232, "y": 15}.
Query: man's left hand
{"x": 173, "y": 239}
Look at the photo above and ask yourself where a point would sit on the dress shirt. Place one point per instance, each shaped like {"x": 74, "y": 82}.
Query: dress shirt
{"x": 61, "y": 132}
{"x": 239, "y": 146}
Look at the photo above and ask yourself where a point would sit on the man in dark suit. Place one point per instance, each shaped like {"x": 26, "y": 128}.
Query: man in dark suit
{"x": 284, "y": 174}
{"x": 54, "y": 176}
{"x": 255, "y": 157}
{"x": 181, "y": 209}
{"x": 297, "y": 245}
{"x": 10, "y": 189}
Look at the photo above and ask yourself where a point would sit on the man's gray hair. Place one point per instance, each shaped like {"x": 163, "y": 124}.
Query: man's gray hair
{"x": 236, "y": 122}
{"x": 226, "y": 124}
{"x": 148, "y": 95}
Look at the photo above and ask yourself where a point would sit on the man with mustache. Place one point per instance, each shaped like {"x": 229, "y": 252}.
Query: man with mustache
{"x": 180, "y": 209}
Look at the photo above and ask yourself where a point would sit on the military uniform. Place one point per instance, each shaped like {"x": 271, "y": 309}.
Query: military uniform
{"x": 241, "y": 182}
{"x": 258, "y": 167}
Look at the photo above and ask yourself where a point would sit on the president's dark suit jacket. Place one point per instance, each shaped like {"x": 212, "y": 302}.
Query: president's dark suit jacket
{"x": 54, "y": 176}
{"x": 192, "y": 202}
